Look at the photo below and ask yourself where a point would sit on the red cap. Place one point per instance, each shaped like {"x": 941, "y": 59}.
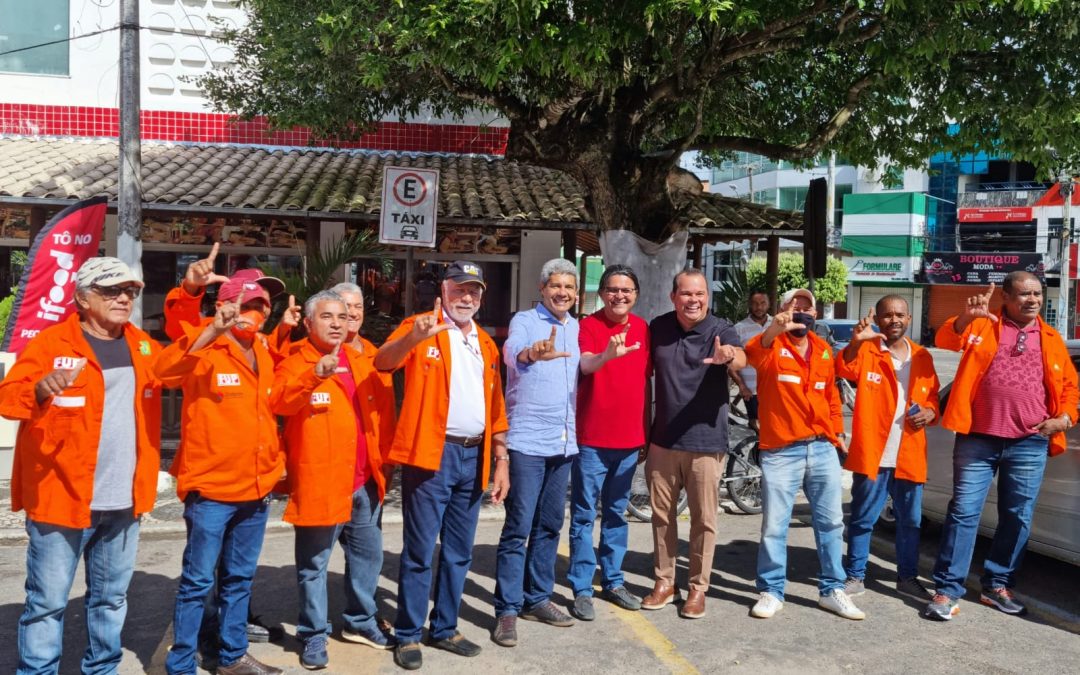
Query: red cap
{"x": 253, "y": 284}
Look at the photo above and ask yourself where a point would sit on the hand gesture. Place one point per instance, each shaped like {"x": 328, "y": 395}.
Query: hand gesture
{"x": 864, "y": 330}
{"x": 201, "y": 272}
{"x": 721, "y": 353}
{"x": 544, "y": 350}
{"x": 427, "y": 325}
{"x": 785, "y": 321}
{"x": 617, "y": 344}
{"x": 228, "y": 314}
{"x": 57, "y": 381}
{"x": 924, "y": 417}
{"x": 291, "y": 317}
{"x": 327, "y": 365}
{"x": 978, "y": 306}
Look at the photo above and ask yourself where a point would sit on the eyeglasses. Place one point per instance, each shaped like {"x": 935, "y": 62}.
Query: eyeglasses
{"x": 113, "y": 292}
{"x": 1019, "y": 347}
{"x": 611, "y": 290}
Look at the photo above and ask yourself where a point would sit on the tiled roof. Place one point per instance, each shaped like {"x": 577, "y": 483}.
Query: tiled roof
{"x": 323, "y": 181}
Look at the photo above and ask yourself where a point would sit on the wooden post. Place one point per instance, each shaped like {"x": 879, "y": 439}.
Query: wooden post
{"x": 37, "y": 221}
{"x": 696, "y": 248}
{"x": 772, "y": 269}
{"x": 582, "y": 274}
{"x": 569, "y": 245}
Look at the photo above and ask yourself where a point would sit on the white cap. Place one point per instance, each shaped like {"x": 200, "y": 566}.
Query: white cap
{"x": 790, "y": 296}
{"x": 105, "y": 271}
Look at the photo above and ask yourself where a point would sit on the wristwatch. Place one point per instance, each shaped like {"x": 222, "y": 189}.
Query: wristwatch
{"x": 1068, "y": 421}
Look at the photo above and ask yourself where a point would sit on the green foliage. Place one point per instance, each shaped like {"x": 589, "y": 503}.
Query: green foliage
{"x": 5, "y": 311}
{"x": 613, "y": 93}
{"x": 791, "y": 273}
{"x": 731, "y": 301}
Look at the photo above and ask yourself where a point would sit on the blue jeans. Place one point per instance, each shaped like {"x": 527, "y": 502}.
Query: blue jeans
{"x": 815, "y": 467}
{"x": 443, "y": 505}
{"x": 361, "y": 539}
{"x": 976, "y": 458}
{"x": 867, "y": 500}
{"x": 108, "y": 549}
{"x": 606, "y": 474}
{"x": 525, "y": 574}
{"x": 229, "y": 533}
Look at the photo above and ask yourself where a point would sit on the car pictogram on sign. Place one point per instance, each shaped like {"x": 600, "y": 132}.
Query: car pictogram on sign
{"x": 409, "y": 232}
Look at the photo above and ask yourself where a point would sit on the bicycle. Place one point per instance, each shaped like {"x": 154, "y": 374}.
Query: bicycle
{"x": 741, "y": 479}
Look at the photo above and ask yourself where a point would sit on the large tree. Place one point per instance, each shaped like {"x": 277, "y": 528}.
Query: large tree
{"x": 614, "y": 91}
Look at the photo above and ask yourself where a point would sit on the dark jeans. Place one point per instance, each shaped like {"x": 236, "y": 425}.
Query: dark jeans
{"x": 443, "y": 505}
{"x": 607, "y": 475}
{"x": 867, "y": 500}
{"x": 525, "y": 574}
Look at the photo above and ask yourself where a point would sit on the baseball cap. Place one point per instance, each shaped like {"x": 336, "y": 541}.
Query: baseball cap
{"x": 253, "y": 284}
{"x": 463, "y": 272}
{"x": 790, "y": 296}
{"x": 105, "y": 271}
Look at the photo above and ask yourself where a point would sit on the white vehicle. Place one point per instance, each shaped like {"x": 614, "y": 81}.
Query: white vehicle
{"x": 1055, "y": 527}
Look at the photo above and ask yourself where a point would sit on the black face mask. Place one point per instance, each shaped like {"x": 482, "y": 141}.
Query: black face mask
{"x": 805, "y": 319}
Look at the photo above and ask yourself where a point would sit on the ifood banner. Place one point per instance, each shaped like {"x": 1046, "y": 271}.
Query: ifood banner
{"x": 47, "y": 285}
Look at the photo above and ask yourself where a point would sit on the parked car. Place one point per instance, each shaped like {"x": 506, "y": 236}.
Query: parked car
{"x": 837, "y": 332}
{"x": 1055, "y": 527}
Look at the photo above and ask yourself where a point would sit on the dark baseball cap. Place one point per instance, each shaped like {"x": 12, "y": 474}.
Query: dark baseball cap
{"x": 463, "y": 272}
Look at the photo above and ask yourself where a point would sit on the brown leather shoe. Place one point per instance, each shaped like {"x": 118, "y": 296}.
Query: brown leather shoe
{"x": 694, "y": 607}
{"x": 248, "y": 665}
{"x": 662, "y": 595}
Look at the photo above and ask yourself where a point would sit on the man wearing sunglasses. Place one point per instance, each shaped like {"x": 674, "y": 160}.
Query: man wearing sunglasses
{"x": 1014, "y": 396}
{"x": 86, "y": 463}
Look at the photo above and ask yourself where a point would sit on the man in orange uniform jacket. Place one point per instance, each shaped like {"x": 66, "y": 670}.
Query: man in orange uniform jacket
{"x": 1014, "y": 396}
{"x": 339, "y": 423}
{"x": 86, "y": 463}
{"x": 897, "y": 398}
{"x": 228, "y": 462}
{"x": 452, "y": 417}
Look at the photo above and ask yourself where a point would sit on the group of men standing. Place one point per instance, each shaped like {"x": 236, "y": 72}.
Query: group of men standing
{"x": 574, "y": 415}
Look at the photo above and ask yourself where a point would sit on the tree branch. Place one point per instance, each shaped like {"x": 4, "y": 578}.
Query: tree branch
{"x": 507, "y": 103}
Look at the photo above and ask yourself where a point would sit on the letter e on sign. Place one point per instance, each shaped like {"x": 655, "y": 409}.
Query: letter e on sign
{"x": 410, "y": 205}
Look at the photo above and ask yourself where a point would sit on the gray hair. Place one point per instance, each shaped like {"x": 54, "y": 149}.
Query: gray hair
{"x": 321, "y": 296}
{"x": 347, "y": 287}
{"x": 557, "y": 266}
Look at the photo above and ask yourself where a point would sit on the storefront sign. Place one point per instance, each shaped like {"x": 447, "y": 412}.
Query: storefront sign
{"x": 996, "y": 214}
{"x": 978, "y": 268}
{"x": 410, "y": 201}
{"x": 880, "y": 270}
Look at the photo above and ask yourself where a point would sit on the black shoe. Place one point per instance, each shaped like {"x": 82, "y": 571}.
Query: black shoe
{"x": 257, "y": 631}
{"x": 621, "y": 597}
{"x": 456, "y": 644}
{"x": 550, "y": 614}
{"x": 408, "y": 655}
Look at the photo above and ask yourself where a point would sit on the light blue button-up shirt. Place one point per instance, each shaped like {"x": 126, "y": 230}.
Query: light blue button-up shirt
{"x": 541, "y": 397}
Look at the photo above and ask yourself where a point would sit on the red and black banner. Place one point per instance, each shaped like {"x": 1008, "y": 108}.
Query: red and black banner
{"x": 47, "y": 286}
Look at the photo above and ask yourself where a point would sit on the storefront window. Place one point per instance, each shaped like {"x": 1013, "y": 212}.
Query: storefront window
{"x": 26, "y": 29}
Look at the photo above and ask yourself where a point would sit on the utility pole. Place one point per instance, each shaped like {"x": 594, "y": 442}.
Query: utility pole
{"x": 129, "y": 212}
{"x": 1065, "y": 188}
{"x": 830, "y": 203}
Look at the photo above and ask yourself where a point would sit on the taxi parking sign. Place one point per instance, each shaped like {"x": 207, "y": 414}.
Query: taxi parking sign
{"x": 410, "y": 200}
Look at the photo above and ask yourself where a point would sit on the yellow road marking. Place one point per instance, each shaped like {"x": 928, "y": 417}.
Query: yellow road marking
{"x": 648, "y": 634}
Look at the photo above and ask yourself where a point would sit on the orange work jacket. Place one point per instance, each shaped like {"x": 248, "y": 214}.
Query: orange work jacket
{"x": 875, "y": 408}
{"x": 229, "y": 449}
{"x": 979, "y": 343}
{"x": 56, "y": 450}
{"x": 795, "y": 401}
{"x": 421, "y": 429}
{"x": 320, "y": 433}
{"x": 183, "y": 312}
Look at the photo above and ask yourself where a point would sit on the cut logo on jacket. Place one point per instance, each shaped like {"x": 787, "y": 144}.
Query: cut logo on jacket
{"x": 228, "y": 379}
{"x": 320, "y": 398}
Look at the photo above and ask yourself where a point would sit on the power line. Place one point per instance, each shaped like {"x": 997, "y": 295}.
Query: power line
{"x": 174, "y": 31}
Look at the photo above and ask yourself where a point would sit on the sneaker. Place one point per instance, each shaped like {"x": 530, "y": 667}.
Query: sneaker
{"x": 941, "y": 608}
{"x": 505, "y": 634}
{"x": 376, "y": 639}
{"x": 854, "y": 587}
{"x": 1003, "y": 599}
{"x": 582, "y": 608}
{"x": 314, "y": 656}
{"x": 913, "y": 588}
{"x": 767, "y": 605}
{"x": 621, "y": 597}
{"x": 838, "y": 602}
{"x": 548, "y": 613}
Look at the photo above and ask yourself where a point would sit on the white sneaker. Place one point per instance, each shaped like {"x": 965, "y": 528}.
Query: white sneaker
{"x": 838, "y": 602}
{"x": 767, "y": 605}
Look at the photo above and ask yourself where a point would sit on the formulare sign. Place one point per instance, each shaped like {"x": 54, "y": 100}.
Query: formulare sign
{"x": 880, "y": 269}
{"x": 410, "y": 201}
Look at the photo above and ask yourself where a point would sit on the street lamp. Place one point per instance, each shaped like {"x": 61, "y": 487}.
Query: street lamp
{"x": 1065, "y": 188}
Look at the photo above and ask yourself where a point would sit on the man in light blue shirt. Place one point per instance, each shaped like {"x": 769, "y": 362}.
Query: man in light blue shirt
{"x": 541, "y": 355}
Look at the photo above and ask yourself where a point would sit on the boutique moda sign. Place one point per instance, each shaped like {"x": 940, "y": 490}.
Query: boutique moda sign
{"x": 881, "y": 269}
{"x": 978, "y": 268}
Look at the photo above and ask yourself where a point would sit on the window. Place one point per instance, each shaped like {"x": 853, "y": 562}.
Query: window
{"x": 28, "y": 24}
